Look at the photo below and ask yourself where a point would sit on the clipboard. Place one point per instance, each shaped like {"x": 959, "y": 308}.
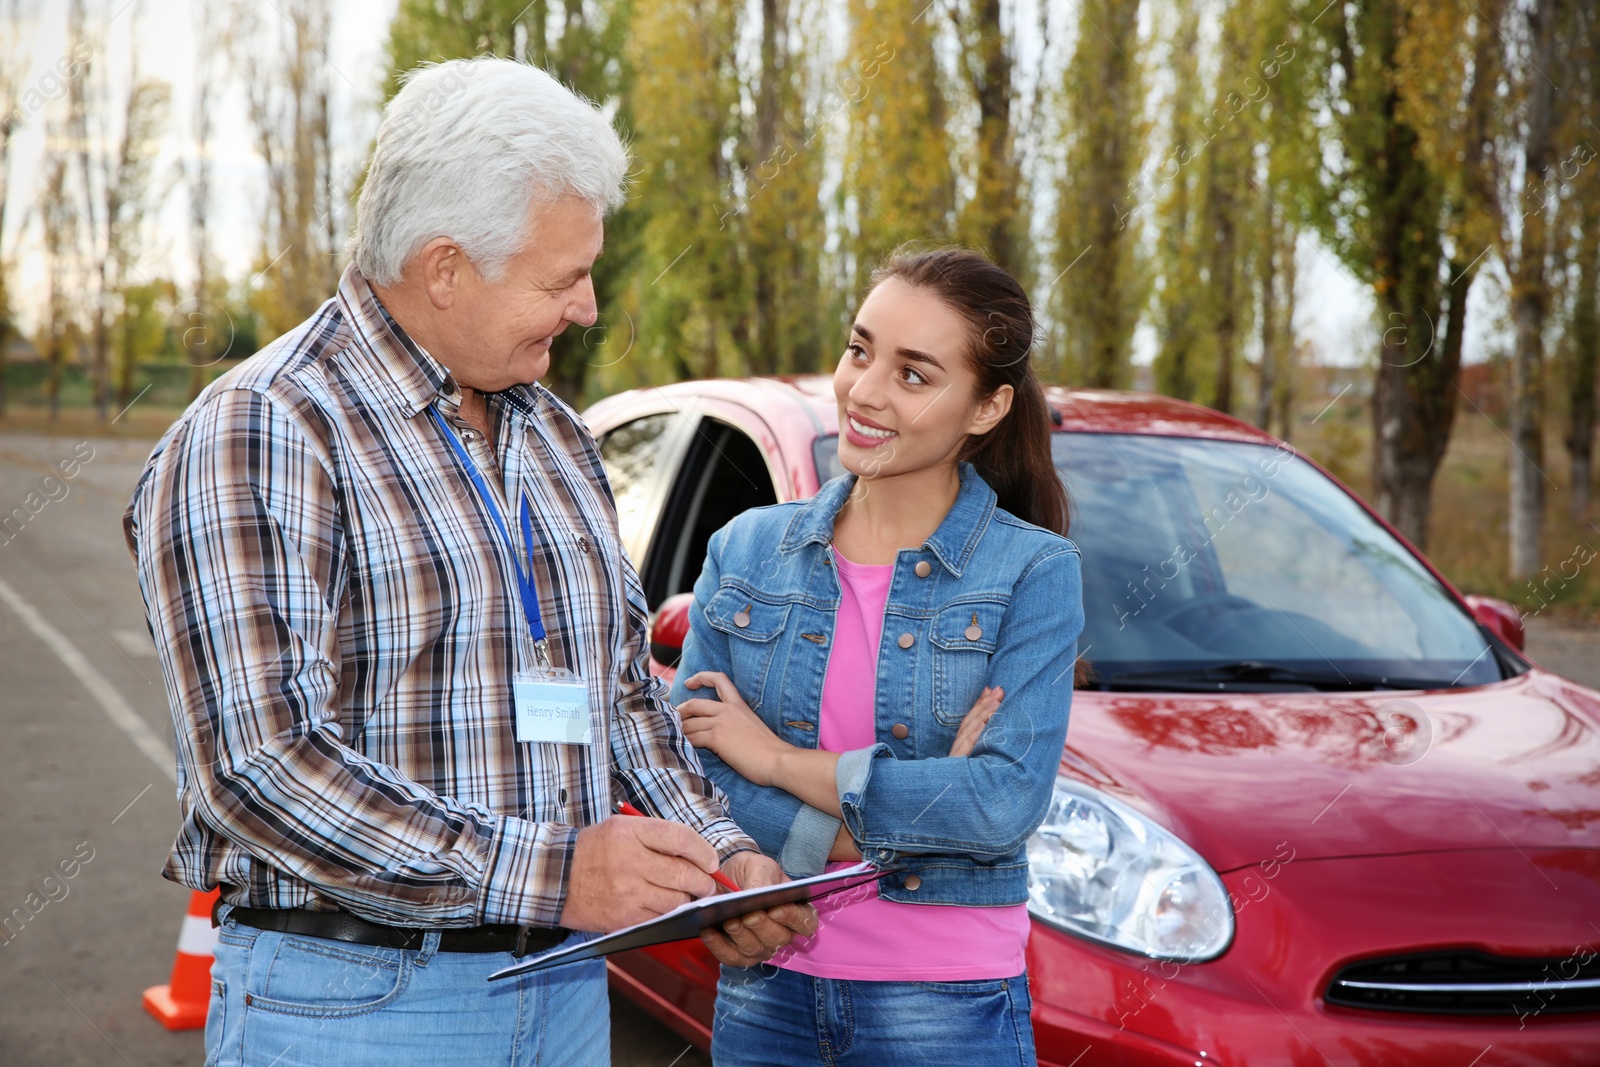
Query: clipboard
{"x": 687, "y": 920}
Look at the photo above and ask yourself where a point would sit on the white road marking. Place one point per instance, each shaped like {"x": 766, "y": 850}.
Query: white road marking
{"x": 105, "y": 694}
{"x": 135, "y": 643}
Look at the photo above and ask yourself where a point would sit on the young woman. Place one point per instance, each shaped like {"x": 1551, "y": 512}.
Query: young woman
{"x": 858, "y": 645}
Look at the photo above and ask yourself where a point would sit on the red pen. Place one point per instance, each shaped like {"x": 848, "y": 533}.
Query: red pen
{"x": 624, "y": 808}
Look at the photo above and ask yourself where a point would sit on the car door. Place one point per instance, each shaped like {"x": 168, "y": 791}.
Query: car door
{"x": 678, "y": 477}
{"x": 724, "y": 472}
{"x": 642, "y": 456}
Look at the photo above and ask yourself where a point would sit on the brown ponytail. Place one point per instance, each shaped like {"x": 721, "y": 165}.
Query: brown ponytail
{"x": 1014, "y": 457}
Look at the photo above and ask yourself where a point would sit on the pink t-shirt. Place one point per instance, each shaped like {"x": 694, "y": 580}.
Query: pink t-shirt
{"x": 860, "y": 936}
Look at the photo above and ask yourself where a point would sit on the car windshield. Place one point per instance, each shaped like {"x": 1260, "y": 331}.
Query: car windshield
{"x": 1218, "y": 565}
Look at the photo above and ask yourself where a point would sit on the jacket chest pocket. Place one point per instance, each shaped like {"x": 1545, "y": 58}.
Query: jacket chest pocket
{"x": 753, "y": 627}
{"x": 964, "y": 637}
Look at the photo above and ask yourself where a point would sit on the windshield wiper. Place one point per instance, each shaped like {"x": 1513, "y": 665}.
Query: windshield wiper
{"x": 1253, "y": 675}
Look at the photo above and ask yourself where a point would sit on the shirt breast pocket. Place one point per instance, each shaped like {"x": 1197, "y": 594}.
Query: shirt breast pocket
{"x": 964, "y": 637}
{"x": 753, "y": 627}
{"x": 586, "y": 622}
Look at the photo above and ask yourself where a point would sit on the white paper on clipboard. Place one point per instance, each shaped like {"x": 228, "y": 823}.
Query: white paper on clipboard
{"x": 689, "y": 919}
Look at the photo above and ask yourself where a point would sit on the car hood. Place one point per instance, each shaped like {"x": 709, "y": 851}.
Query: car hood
{"x": 1238, "y": 776}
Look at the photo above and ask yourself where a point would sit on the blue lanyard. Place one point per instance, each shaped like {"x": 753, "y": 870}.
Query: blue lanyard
{"x": 525, "y": 586}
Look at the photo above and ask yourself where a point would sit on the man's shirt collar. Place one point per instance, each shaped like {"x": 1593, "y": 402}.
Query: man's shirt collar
{"x": 414, "y": 377}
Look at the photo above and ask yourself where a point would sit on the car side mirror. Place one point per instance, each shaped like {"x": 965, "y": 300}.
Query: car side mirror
{"x": 1500, "y": 617}
{"x": 668, "y": 630}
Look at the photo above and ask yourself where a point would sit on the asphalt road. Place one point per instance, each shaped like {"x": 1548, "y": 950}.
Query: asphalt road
{"x": 86, "y": 780}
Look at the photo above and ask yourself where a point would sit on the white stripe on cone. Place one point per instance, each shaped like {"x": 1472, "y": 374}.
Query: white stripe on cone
{"x": 198, "y": 937}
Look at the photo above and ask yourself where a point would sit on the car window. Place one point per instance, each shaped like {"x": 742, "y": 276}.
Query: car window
{"x": 1199, "y": 555}
{"x": 826, "y": 454}
{"x": 1293, "y": 559}
{"x": 636, "y": 455}
{"x": 723, "y": 474}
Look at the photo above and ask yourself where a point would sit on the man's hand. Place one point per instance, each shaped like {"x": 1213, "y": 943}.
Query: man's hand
{"x": 726, "y": 725}
{"x": 627, "y": 870}
{"x": 976, "y": 719}
{"x": 753, "y": 938}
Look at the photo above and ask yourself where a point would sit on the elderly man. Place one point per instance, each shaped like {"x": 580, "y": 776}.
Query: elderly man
{"x": 405, "y": 652}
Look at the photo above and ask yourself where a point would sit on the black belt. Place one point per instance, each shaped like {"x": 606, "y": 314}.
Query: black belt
{"x": 342, "y": 926}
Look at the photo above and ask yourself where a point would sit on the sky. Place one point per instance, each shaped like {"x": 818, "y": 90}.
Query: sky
{"x": 161, "y": 35}
{"x": 1333, "y": 309}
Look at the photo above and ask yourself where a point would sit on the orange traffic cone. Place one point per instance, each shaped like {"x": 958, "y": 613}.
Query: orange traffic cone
{"x": 182, "y": 1004}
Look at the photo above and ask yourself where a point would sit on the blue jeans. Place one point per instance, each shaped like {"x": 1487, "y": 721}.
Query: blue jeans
{"x": 769, "y": 1017}
{"x": 290, "y": 1001}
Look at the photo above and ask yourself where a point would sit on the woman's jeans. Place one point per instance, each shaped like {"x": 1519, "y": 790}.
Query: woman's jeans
{"x": 768, "y": 1017}
{"x": 289, "y": 1001}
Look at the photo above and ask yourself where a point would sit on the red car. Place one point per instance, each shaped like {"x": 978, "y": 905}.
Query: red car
{"x": 1314, "y": 807}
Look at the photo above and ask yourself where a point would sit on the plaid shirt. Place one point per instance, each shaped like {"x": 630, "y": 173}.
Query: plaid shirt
{"x": 339, "y": 623}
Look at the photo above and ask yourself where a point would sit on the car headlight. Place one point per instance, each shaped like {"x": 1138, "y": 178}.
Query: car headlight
{"x": 1099, "y": 869}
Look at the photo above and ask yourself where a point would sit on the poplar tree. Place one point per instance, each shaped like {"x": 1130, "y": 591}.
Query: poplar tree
{"x": 993, "y": 217}
{"x": 1174, "y": 193}
{"x": 199, "y": 336}
{"x": 690, "y": 291}
{"x": 780, "y": 159}
{"x": 116, "y": 128}
{"x": 59, "y": 223}
{"x": 899, "y": 182}
{"x": 1525, "y": 247}
{"x": 1231, "y": 212}
{"x": 1100, "y": 281}
{"x": 285, "y": 75}
{"x": 424, "y": 31}
{"x": 1283, "y": 125}
{"x": 1579, "y": 234}
{"x": 14, "y": 59}
{"x": 1385, "y": 205}
{"x": 1476, "y": 82}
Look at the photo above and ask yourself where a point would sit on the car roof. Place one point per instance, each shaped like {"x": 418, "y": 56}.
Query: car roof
{"x": 1075, "y": 410}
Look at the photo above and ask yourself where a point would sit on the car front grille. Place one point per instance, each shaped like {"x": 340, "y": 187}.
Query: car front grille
{"x": 1471, "y": 983}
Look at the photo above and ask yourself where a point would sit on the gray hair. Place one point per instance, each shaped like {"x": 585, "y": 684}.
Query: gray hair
{"x": 464, "y": 149}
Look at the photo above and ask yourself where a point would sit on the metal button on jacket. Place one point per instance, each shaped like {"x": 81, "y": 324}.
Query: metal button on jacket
{"x": 906, "y": 641}
{"x": 913, "y": 882}
{"x": 741, "y": 619}
{"x": 922, "y": 568}
{"x": 900, "y": 730}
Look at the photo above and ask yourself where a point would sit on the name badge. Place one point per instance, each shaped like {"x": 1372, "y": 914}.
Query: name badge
{"x": 552, "y": 706}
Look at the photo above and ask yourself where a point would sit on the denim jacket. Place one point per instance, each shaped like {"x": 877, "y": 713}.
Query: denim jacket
{"x": 987, "y": 600}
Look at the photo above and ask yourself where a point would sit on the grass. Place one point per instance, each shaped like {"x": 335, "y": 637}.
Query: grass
{"x": 144, "y": 422}
{"x": 159, "y": 394}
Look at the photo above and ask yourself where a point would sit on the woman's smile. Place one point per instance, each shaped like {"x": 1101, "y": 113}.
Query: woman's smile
{"x": 864, "y": 433}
